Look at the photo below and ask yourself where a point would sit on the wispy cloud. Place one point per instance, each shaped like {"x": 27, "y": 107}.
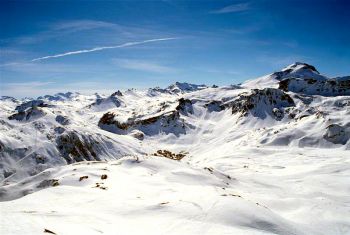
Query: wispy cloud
{"x": 79, "y": 25}
{"x": 240, "y": 7}
{"x": 142, "y": 65}
{"x": 128, "y": 44}
{"x": 60, "y": 29}
{"x": 64, "y": 29}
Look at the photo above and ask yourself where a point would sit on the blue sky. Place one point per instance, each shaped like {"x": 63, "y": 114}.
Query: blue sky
{"x": 211, "y": 42}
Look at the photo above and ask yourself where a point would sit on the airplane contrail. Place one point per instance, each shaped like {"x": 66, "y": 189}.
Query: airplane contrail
{"x": 101, "y": 48}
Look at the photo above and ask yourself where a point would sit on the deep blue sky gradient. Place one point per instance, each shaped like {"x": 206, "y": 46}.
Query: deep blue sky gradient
{"x": 219, "y": 42}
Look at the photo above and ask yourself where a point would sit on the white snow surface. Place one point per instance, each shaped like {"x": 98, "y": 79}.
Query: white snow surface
{"x": 256, "y": 161}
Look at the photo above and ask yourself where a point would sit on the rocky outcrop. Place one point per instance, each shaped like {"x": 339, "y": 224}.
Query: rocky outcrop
{"x": 117, "y": 93}
{"x": 185, "y": 106}
{"x": 29, "y": 110}
{"x": 260, "y": 103}
{"x": 310, "y": 86}
{"x": 63, "y": 120}
{"x": 28, "y": 114}
{"x": 337, "y": 134}
{"x": 169, "y": 122}
{"x": 75, "y": 147}
{"x": 166, "y": 122}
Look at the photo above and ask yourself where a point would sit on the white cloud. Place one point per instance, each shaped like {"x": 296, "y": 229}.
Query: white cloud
{"x": 128, "y": 44}
{"x": 142, "y": 65}
{"x": 240, "y": 7}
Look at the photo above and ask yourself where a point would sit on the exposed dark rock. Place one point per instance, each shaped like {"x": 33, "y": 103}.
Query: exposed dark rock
{"x": 170, "y": 155}
{"x": 109, "y": 119}
{"x": 185, "y": 106}
{"x": 169, "y": 122}
{"x": 104, "y": 176}
{"x": 75, "y": 148}
{"x": 117, "y": 93}
{"x": 59, "y": 130}
{"x": 83, "y": 177}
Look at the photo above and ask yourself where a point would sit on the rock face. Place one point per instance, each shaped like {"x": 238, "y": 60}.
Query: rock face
{"x": 168, "y": 122}
{"x": 29, "y": 110}
{"x": 260, "y": 103}
{"x": 310, "y": 86}
{"x": 337, "y": 134}
{"x": 185, "y": 106}
{"x": 165, "y": 123}
{"x": 75, "y": 148}
{"x": 31, "y": 104}
{"x": 28, "y": 114}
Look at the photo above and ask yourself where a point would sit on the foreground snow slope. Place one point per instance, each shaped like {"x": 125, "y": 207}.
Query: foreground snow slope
{"x": 297, "y": 192}
{"x": 270, "y": 156}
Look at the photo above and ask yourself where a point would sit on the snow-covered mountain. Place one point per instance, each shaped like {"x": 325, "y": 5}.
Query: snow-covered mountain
{"x": 270, "y": 156}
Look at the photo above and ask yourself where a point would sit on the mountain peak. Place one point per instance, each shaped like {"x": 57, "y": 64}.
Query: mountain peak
{"x": 300, "y": 66}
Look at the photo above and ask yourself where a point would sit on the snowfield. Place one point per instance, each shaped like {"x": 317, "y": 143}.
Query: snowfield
{"x": 270, "y": 156}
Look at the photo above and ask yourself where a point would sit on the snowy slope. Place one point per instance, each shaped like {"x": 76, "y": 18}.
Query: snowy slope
{"x": 268, "y": 157}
